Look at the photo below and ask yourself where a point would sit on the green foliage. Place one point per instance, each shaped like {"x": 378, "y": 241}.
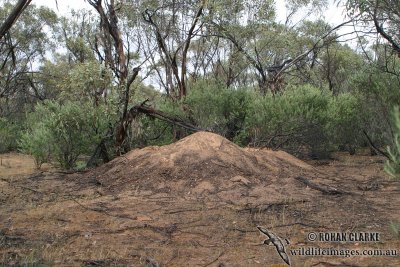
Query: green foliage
{"x": 301, "y": 118}
{"x": 216, "y": 108}
{"x": 292, "y": 119}
{"x": 36, "y": 142}
{"x": 63, "y": 131}
{"x": 8, "y": 135}
{"x": 86, "y": 81}
{"x": 395, "y": 229}
{"x": 344, "y": 123}
{"x": 378, "y": 95}
{"x": 392, "y": 166}
{"x": 304, "y": 117}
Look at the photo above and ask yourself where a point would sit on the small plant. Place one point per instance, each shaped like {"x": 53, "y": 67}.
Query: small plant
{"x": 35, "y": 142}
{"x": 395, "y": 229}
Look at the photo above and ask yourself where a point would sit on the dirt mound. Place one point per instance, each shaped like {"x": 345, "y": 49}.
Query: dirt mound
{"x": 199, "y": 164}
{"x": 53, "y": 218}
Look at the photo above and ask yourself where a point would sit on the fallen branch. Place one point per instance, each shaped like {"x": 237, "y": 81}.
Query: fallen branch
{"x": 265, "y": 207}
{"x": 241, "y": 230}
{"x": 21, "y": 186}
{"x": 219, "y": 256}
{"x": 322, "y": 188}
{"x": 151, "y": 112}
{"x": 374, "y": 147}
{"x": 181, "y": 211}
{"x": 316, "y": 225}
{"x": 143, "y": 108}
{"x": 102, "y": 211}
{"x": 325, "y": 263}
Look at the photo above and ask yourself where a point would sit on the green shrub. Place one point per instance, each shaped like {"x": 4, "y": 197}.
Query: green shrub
{"x": 305, "y": 119}
{"x": 392, "y": 166}
{"x": 9, "y": 132}
{"x": 214, "y": 107}
{"x": 344, "y": 122}
{"x": 378, "y": 94}
{"x": 300, "y": 119}
{"x": 63, "y": 131}
{"x": 208, "y": 105}
{"x": 37, "y": 142}
{"x": 395, "y": 229}
{"x": 292, "y": 120}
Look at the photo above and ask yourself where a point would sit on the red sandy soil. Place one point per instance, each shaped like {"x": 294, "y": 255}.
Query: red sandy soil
{"x": 196, "y": 202}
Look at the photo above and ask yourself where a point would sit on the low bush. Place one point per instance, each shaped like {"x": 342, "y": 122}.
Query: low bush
{"x": 301, "y": 119}
{"x": 304, "y": 119}
{"x": 9, "y": 134}
{"x": 292, "y": 120}
{"x": 218, "y": 109}
{"x": 63, "y": 132}
{"x": 344, "y": 122}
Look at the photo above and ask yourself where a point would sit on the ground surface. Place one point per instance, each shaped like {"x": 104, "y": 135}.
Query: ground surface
{"x": 194, "y": 203}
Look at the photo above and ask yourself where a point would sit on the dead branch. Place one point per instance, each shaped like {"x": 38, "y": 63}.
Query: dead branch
{"x": 219, "y": 256}
{"x": 322, "y": 188}
{"x": 266, "y": 207}
{"x": 314, "y": 226}
{"x": 374, "y": 147}
{"x": 21, "y": 186}
{"x": 181, "y": 211}
{"x": 324, "y": 263}
{"x": 383, "y": 33}
{"x": 149, "y": 111}
{"x": 99, "y": 210}
{"x": 241, "y": 230}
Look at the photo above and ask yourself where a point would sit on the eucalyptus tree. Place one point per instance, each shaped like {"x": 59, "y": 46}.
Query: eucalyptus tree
{"x": 328, "y": 63}
{"x": 173, "y": 26}
{"x": 377, "y": 23}
{"x": 384, "y": 15}
{"x": 110, "y": 40}
{"x": 13, "y": 16}
{"x": 77, "y": 33}
{"x": 22, "y": 49}
{"x": 271, "y": 48}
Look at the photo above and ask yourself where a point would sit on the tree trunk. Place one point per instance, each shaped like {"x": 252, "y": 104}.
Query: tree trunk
{"x": 118, "y": 63}
{"x": 14, "y": 15}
